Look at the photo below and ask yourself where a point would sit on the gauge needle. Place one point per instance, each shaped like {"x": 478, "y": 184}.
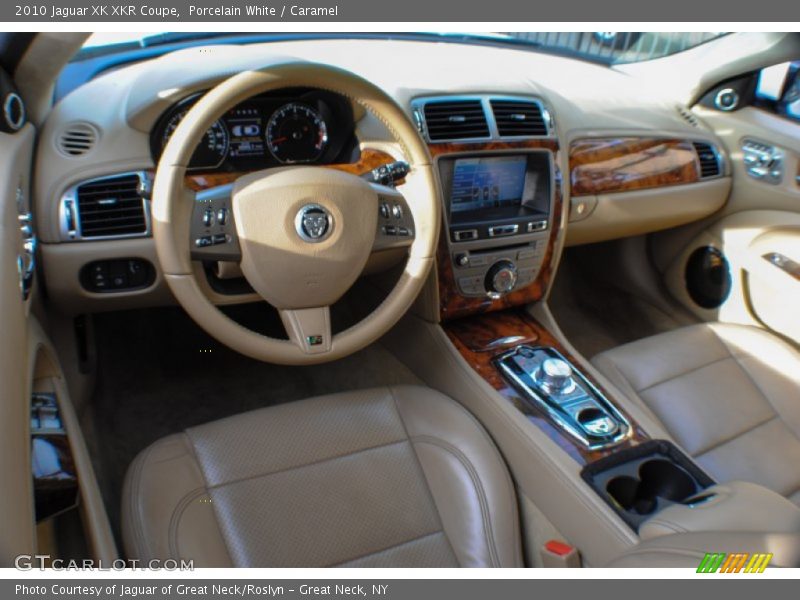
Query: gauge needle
{"x": 279, "y": 140}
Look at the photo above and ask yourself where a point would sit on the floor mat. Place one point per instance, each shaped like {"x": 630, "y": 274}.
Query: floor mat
{"x": 158, "y": 373}
{"x": 596, "y": 316}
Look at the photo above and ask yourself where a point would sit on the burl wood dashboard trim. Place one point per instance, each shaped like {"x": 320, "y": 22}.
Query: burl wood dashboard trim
{"x": 605, "y": 165}
{"x": 480, "y": 339}
{"x": 368, "y": 160}
{"x": 452, "y": 304}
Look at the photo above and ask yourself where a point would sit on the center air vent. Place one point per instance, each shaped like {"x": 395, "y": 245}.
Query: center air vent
{"x": 519, "y": 118}
{"x": 455, "y": 120}
{"x": 77, "y": 139}
{"x": 106, "y": 207}
{"x": 709, "y": 159}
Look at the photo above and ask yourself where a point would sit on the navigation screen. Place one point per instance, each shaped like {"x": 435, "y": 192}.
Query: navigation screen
{"x": 480, "y": 183}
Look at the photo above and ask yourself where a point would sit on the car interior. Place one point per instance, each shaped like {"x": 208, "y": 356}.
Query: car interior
{"x": 399, "y": 301}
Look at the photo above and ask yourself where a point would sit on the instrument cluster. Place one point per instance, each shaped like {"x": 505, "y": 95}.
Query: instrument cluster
{"x": 288, "y": 127}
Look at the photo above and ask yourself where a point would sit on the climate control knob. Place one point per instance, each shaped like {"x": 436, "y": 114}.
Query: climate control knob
{"x": 501, "y": 278}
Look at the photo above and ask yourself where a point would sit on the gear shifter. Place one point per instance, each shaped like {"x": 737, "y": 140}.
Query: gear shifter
{"x": 549, "y": 381}
{"x": 555, "y": 376}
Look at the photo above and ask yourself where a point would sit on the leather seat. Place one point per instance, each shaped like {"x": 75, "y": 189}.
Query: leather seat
{"x": 728, "y": 394}
{"x": 390, "y": 477}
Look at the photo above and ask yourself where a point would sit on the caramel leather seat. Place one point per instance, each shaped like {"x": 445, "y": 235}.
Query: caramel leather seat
{"x": 728, "y": 394}
{"x": 391, "y": 477}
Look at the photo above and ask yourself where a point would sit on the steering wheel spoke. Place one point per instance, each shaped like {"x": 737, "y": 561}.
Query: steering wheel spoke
{"x": 309, "y": 328}
{"x": 213, "y": 231}
{"x": 395, "y": 220}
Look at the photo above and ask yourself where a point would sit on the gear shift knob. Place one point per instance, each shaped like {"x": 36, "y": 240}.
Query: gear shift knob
{"x": 556, "y": 375}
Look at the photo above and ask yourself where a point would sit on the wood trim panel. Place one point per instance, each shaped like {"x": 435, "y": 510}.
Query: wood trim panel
{"x": 603, "y": 165}
{"x": 368, "y": 160}
{"x": 481, "y": 338}
{"x": 452, "y": 304}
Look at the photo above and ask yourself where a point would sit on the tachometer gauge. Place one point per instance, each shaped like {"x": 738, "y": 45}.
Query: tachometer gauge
{"x": 296, "y": 133}
{"x": 211, "y": 151}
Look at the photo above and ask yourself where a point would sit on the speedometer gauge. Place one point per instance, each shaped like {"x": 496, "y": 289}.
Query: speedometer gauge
{"x": 296, "y": 133}
{"x": 211, "y": 151}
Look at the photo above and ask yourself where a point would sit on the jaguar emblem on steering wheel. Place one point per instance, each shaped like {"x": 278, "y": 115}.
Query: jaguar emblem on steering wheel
{"x": 313, "y": 223}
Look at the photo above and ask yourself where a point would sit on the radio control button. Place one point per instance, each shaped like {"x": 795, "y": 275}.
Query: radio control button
{"x": 478, "y": 261}
{"x": 471, "y": 285}
{"x": 465, "y": 235}
{"x": 501, "y": 230}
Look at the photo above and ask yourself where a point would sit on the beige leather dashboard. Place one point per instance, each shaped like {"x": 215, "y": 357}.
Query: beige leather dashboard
{"x": 117, "y": 111}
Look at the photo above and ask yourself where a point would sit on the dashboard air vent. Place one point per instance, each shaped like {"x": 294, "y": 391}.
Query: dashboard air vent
{"x": 709, "y": 160}
{"x": 519, "y": 118}
{"x": 111, "y": 206}
{"x": 77, "y": 139}
{"x": 455, "y": 120}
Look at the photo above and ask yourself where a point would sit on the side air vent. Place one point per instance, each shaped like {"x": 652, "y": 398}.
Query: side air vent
{"x": 519, "y": 118}
{"x": 709, "y": 159}
{"x": 455, "y": 120}
{"x": 77, "y": 139}
{"x": 107, "y": 207}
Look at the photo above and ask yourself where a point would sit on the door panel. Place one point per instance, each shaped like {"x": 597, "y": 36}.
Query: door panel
{"x": 759, "y": 291}
{"x": 761, "y": 217}
{"x": 16, "y": 501}
{"x": 773, "y": 283}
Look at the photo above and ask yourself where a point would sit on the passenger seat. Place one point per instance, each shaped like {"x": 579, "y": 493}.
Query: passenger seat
{"x": 728, "y": 394}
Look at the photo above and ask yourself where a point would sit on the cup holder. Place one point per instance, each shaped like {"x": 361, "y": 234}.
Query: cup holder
{"x": 627, "y": 491}
{"x": 657, "y": 479}
{"x": 639, "y": 481}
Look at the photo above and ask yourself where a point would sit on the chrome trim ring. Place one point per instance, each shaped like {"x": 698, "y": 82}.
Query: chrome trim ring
{"x": 313, "y": 223}
{"x": 9, "y": 109}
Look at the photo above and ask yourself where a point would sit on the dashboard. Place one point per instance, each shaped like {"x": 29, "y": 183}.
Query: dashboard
{"x": 614, "y": 161}
{"x": 295, "y": 126}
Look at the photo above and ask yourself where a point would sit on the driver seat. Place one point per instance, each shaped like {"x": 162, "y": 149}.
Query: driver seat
{"x": 387, "y": 477}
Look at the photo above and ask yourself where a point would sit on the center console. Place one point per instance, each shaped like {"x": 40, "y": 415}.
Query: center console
{"x": 575, "y": 449}
{"x": 498, "y": 217}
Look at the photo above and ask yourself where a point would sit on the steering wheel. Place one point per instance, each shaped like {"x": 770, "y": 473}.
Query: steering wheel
{"x": 302, "y": 234}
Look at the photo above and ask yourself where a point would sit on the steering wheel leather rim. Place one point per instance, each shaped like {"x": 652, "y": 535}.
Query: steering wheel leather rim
{"x": 173, "y": 205}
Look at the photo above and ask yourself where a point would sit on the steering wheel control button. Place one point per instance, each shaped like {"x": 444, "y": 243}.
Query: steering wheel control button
{"x": 397, "y": 211}
{"x": 313, "y": 223}
{"x": 204, "y": 241}
{"x": 222, "y": 217}
{"x": 208, "y": 217}
{"x": 385, "y": 211}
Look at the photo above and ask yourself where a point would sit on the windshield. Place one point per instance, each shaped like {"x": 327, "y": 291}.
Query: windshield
{"x": 607, "y": 47}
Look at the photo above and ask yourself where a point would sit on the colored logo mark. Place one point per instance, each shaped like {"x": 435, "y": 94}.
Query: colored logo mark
{"x": 737, "y": 562}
